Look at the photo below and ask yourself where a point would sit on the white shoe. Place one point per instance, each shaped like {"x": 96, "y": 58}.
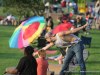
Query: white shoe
{"x": 87, "y": 33}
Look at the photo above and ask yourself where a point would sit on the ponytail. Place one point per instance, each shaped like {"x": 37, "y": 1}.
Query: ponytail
{"x": 29, "y": 51}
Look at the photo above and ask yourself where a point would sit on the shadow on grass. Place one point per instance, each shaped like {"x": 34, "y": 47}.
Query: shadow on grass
{"x": 92, "y": 62}
{"x": 93, "y": 33}
{"x": 10, "y": 56}
{"x": 95, "y": 47}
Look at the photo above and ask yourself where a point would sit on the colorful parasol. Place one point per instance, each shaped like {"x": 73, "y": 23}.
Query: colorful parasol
{"x": 27, "y": 32}
{"x": 62, "y": 27}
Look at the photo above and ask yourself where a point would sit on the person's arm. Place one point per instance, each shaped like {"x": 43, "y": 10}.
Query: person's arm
{"x": 15, "y": 71}
{"x": 19, "y": 68}
{"x": 71, "y": 31}
{"x": 48, "y": 46}
{"x": 45, "y": 48}
{"x": 59, "y": 58}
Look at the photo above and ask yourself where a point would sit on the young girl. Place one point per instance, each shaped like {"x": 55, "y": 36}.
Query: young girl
{"x": 42, "y": 63}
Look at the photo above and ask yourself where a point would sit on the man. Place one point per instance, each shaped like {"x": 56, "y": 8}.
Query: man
{"x": 9, "y": 18}
{"x": 74, "y": 44}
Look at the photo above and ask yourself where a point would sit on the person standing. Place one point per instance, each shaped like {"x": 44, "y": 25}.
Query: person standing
{"x": 74, "y": 44}
{"x": 50, "y": 24}
{"x": 96, "y": 13}
{"x": 63, "y": 5}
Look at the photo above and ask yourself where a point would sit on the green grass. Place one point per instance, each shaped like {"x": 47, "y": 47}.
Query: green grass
{"x": 93, "y": 61}
{"x": 11, "y": 56}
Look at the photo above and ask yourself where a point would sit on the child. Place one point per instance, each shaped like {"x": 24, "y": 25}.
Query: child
{"x": 42, "y": 63}
{"x": 59, "y": 20}
{"x": 59, "y": 57}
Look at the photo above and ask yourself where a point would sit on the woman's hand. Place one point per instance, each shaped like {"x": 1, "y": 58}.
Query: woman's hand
{"x": 85, "y": 25}
{"x": 8, "y": 72}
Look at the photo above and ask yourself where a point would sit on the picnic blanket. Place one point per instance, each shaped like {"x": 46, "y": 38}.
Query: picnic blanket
{"x": 47, "y": 51}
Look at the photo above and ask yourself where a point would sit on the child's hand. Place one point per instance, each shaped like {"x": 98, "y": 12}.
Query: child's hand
{"x": 55, "y": 60}
{"x": 35, "y": 53}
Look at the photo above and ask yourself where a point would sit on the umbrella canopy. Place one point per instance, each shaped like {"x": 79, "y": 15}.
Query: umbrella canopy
{"x": 62, "y": 27}
{"x": 26, "y": 32}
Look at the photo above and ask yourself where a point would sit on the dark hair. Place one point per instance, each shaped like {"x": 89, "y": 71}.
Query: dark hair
{"x": 97, "y": 4}
{"x": 29, "y": 51}
{"x": 87, "y": 13}
{"x": 63, "y": 53}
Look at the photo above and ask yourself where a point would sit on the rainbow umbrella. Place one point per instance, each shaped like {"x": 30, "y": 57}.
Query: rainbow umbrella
{"x": 27, "y": 32}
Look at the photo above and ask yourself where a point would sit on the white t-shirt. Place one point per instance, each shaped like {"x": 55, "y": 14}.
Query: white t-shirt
{"x": 96, "y": 9}
{"x": 9, "y": 17}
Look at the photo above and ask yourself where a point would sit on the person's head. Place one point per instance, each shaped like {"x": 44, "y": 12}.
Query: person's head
{"x": 42, "y": 53}
{"x": 50, "y": 18}
{"x": 10, "y": 14}
{"x": 33, "y": 65}
{"x": 62, "y": 12}
{"x": 90, "y": 5}
{"x": 28, "y": 51}
{"x": 48, "y": 36}
{"x": 98, "y": 5}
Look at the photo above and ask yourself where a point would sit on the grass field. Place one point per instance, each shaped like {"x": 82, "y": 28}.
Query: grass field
{"x": 11, "y": 56}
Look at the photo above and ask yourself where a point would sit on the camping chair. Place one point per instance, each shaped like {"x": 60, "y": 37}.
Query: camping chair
{"x": 41, "y": 42}
{"x": 86, "y": 40}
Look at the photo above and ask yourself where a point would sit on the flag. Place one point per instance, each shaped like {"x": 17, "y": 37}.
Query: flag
{"x": 81, "y": 6}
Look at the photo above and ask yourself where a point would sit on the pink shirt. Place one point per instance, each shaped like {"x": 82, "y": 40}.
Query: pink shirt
{"x": 42, "y": 66}
{"x": 90, "y": 9}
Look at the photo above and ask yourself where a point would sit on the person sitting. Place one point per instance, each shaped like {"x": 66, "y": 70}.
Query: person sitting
{"x": 58, "y": 58}
{"x": 50, "y": 24}
{"x": 9, "y": 18}
{"x": 42, "y": 63}
{"x": 59, "y": 20}
{"x": 27, "y": 64}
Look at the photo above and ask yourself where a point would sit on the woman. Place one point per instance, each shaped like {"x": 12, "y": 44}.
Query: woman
{"x": 42, "y": 63}
{"x": 50, "y": 24}
{"x": 27, "y": 64}
{"x": 96, "y": 13}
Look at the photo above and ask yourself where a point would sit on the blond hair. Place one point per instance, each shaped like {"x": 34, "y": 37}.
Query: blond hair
{"x": 42, "y": 53}
{"x": 48, "y": 34}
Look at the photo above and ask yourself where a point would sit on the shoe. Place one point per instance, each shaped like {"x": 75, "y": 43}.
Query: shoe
{"x": 87, "y": 33}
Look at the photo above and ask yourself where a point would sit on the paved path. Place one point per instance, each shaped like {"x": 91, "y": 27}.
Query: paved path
{"x": 85, "y": 56}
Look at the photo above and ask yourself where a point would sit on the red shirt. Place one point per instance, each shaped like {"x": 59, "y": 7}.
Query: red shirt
{"x": 63, "y": 4}
{"x": 42, "y": 65}
{"x": 87, "y": 17}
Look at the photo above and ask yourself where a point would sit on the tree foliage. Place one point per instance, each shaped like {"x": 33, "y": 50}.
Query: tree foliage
{"x": 23, "y": 7}
{"x": 54, "y": 1}
{"x": 76, "y": 1}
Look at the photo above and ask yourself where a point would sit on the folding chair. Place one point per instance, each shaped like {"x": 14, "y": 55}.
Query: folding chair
{"x": 86, "y": 40}
{"x": 41, "y": 42}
